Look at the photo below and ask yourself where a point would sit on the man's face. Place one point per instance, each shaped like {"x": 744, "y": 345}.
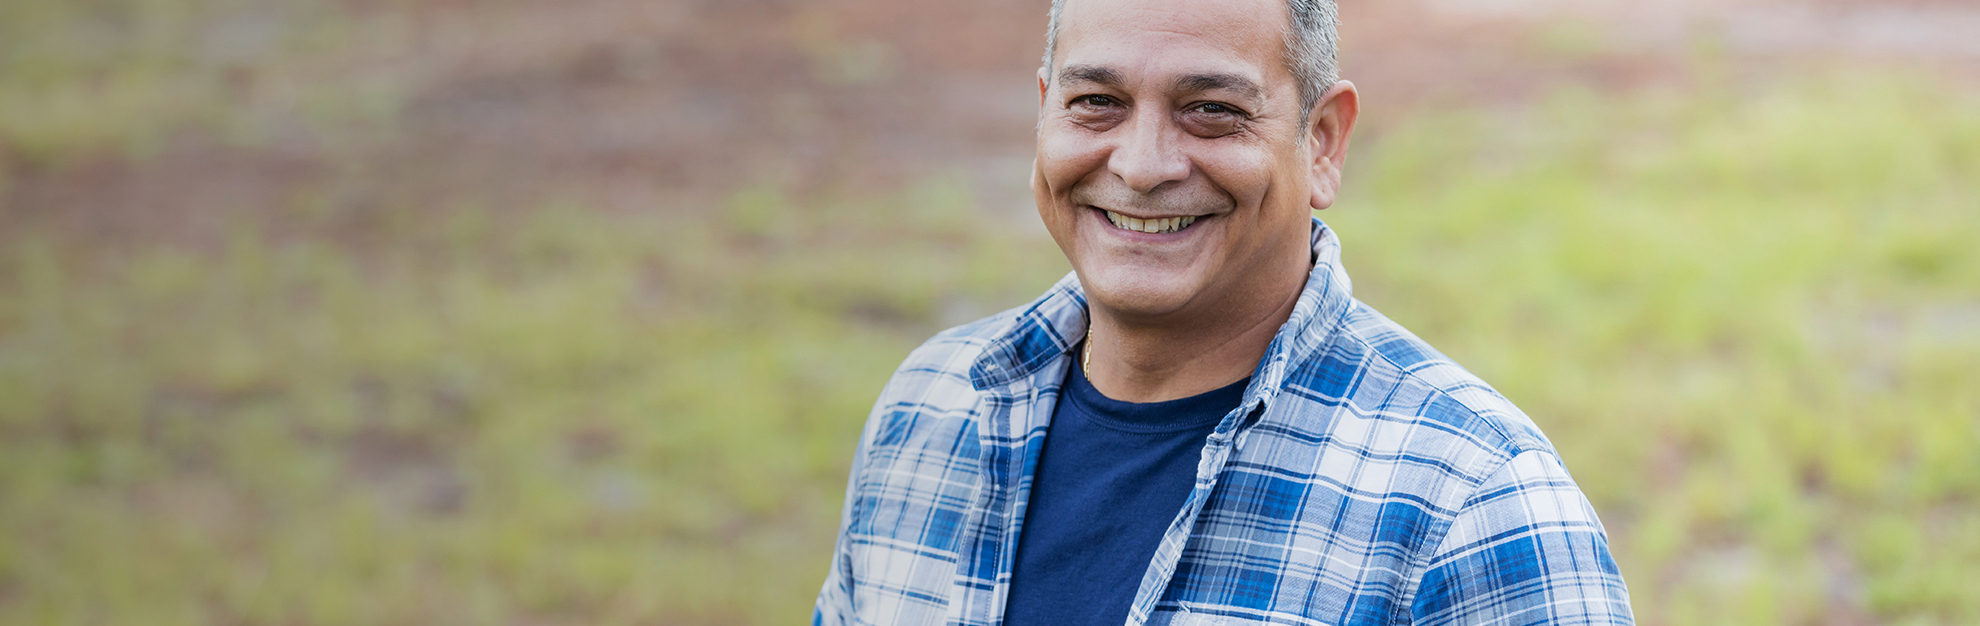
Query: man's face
{"x": 1178, "y": 117}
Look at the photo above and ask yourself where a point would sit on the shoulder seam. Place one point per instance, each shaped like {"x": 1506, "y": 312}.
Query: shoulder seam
{"x": 1513, "y": 445}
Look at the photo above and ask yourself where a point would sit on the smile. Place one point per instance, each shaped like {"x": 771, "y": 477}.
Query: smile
{"x": 1158, "y": 225}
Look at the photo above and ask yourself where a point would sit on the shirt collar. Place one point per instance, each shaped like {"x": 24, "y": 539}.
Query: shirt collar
{"x": 1051, "y": 326}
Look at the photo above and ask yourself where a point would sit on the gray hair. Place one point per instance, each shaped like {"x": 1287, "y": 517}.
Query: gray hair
{"x": 1311, "y": 45}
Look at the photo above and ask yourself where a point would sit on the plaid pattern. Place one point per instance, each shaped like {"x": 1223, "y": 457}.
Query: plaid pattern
{"x": 1364, "y": 479}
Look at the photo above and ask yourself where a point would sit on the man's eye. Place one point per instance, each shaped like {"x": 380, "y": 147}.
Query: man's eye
{"x": 1095, "y": 101}
{"x": 1213, "y": 119}
{"x": 1216, "y": 109}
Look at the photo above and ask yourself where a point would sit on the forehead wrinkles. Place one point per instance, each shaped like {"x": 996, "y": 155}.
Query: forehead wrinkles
{"x": 1164, "y": 40}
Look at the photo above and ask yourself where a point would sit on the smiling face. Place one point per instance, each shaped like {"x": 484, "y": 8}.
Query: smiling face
{"x": 1172, "y": 166}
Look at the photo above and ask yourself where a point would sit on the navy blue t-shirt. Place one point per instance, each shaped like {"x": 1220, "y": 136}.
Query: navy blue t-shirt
{"x": 1110, "y": 480}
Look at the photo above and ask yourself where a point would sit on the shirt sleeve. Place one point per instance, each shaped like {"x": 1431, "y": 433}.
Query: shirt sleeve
{"x": 834, "y": 606}
{"x": 835, "y": 600}
{"x": 1525, "y": 549}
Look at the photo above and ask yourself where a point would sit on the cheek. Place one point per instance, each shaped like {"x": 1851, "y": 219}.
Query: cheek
{"x": 1065, "y": 158}
{"x": 1247, "y": 174}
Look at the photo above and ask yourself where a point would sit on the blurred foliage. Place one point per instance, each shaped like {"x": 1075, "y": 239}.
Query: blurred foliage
{"x": 1749, "y": 318}
{"x": 1750, "y": 323}
{"x": 471, "y": 418}
{"x": 83, "y": 78}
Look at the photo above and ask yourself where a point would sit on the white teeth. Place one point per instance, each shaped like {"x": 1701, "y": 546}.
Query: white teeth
{"x": 1161, "y": 225}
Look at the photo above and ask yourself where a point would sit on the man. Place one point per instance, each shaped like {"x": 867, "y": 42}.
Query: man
{"x": 1200, "y": 425}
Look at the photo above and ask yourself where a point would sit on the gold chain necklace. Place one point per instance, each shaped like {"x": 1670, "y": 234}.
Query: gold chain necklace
{"x": 1086, "y": 355}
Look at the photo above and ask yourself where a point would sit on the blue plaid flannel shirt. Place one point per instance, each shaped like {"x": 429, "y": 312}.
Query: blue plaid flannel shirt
{"x": 1364, "y": 479}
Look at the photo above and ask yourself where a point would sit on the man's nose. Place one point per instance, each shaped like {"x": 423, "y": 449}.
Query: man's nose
{"x": 1149, "y": 153}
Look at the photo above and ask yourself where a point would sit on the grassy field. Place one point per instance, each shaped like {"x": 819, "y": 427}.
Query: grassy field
{"x": 1748, "y": 316}
{"x": 1750, "y": 322}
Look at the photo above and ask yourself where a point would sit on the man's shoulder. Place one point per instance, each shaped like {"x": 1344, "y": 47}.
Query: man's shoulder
{"x": 1405, "y": 391}
{"x": 940, "y": 367}
{"x": 955, "y": 349}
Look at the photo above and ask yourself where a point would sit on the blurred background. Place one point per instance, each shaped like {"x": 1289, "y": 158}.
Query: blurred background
{"x": 530, "y": 312}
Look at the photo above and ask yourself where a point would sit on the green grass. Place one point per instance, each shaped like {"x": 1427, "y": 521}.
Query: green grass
{"x": 1750, "y": 321}
{"x": 81, "y": 79}
{"x": 550, "y": 417}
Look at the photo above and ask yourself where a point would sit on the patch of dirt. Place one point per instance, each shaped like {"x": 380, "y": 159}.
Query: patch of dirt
{"x": 637, "y": 107}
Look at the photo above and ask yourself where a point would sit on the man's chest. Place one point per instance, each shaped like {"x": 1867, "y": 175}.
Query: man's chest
{"x": 1290, "y": 527}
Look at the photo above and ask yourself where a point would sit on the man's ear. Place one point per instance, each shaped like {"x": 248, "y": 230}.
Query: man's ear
{"x": 1042, "y": 72}
{"x": 1328, "y": 127}
{"x": 1035, "y": 178}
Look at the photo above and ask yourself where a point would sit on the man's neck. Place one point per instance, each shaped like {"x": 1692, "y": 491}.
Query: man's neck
{"x": 1152, "y": 361}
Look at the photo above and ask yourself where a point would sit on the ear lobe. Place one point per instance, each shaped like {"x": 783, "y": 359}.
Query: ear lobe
{"x": 1323, "y": 177}
{"x": 1326, "y": 180}
{"x": 1332, "y": 122}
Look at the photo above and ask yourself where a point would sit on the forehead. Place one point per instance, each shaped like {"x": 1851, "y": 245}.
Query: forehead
{"x": 1153, "y": 38}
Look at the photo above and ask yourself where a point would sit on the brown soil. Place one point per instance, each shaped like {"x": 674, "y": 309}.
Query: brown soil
{"x": 636, "y": 106}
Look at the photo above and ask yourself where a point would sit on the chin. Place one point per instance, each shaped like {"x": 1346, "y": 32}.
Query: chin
{"x": 1137, "y": 296}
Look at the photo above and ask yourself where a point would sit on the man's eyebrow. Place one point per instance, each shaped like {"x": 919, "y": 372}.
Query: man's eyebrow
{"x": 1219, "y": 82}
{"x": 1073, "y": 74}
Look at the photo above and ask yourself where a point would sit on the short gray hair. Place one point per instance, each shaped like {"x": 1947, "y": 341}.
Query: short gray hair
{"x": 1312, "y": 43}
